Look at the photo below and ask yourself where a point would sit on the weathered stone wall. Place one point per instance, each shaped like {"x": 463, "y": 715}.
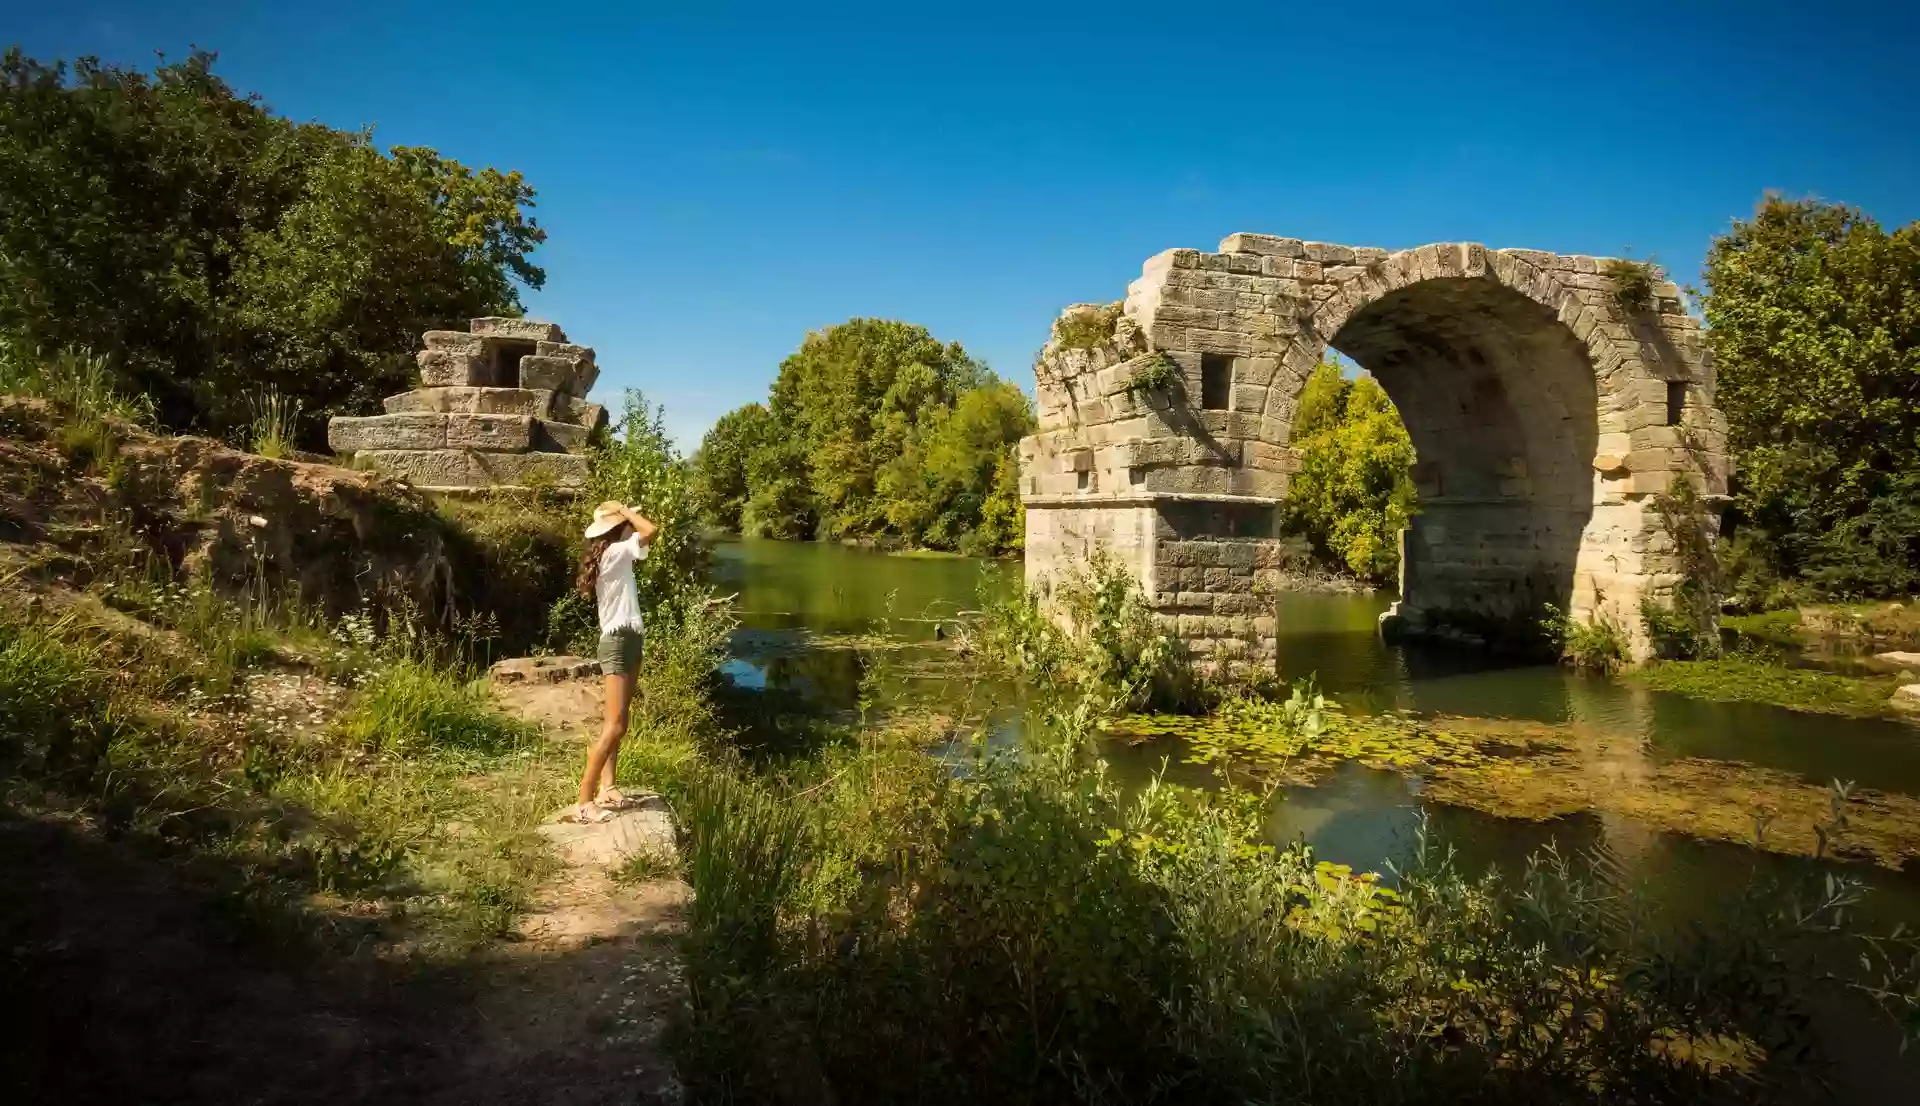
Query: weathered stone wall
{"x": 503, "y": 403}
{"x": 1543, "y": 414}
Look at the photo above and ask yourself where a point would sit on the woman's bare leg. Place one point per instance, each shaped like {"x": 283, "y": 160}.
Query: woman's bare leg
{"x": 601, "y": 758}
{"x": 611, "y": 769}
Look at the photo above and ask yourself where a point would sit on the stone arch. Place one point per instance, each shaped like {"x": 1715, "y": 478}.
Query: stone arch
{"x": 1538, "y": 405}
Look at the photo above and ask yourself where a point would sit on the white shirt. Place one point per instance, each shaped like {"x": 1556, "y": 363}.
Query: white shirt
{"x": 619, "y": 597}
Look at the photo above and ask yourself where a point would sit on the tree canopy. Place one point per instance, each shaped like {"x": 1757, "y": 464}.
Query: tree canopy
{"x": 212, "y": 250}
{"x": 873, "y": 430}
{"x": 1813, "y": 314}
{"x": 1354, "y": 490}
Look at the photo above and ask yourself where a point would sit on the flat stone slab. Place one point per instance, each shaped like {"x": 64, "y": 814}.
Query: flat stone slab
{"x": 1906, "y": 698}
{"x": 455, "y": 468}
{"x": 531, "y": 402}
{"x": 544, "y": 670}
{"x": 489, "y": 433}
{"x": 351, "y": 435}
{"x": 645, "y": 828}
{"x": 562, "y": 470}
{"x": 1899, "y": 660}
{"x": 525, "y": 330}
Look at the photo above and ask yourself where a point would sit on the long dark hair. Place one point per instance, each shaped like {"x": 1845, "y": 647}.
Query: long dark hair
{"x": 587, "y": 583}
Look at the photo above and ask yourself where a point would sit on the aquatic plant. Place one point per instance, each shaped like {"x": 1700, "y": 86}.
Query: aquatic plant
{"x": 1595, "y": 644}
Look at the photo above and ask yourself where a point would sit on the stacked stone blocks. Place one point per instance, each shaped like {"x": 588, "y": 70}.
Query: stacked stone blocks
{"x": 503, "y": 403}
{"x": 1545, "y": 416}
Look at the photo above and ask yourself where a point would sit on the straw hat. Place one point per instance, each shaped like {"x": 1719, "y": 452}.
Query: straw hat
{"x": 606, "y": 517}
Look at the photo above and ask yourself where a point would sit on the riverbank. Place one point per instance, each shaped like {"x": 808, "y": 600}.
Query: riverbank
{"x": 1758, "y": 678}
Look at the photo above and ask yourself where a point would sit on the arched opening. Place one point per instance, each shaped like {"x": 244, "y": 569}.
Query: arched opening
{"x": 1499, "y": 399}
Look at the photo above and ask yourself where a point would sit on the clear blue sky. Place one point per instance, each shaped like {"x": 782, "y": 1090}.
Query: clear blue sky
{"x": 718, "y": 178}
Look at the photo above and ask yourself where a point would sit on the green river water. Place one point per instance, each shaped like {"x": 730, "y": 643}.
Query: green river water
{"x": 800, "y": 603}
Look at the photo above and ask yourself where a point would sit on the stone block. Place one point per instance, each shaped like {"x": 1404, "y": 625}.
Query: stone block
{"x": 564, "y": 349}
{"x": 353, "y": 435}
{"x": 524, "y": 330}
{"x": 564, "y": 470}
{"x": 426, "y": 468}
{"x": 442, "y": 368}
{"x": 552, "y": 373}
{"x": 490, "y": 433}
{"x": 1239, "y": 604}
{"x": 532, "y": 402}
{"x": 560, "y": 437}
{"x": 1327, "y": 253}
{"x": 453, "y": 341}
{"x": 578, "y": 411}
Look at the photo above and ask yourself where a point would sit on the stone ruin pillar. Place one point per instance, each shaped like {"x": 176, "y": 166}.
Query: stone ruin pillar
{"x": 502, "y": 404}
{"x": 1141, "y": 453}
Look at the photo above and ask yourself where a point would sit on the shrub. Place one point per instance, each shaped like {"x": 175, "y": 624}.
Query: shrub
{"x": 1034, "y": 934}
{"x": 1088, "y": 327}
{"x": 1595, "y": 645}
{"x": 1157, "y": 372}
{"x": 1633, "y": 282}
{"x": 1105, "y": 652}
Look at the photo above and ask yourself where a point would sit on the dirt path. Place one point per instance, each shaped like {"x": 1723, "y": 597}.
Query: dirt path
{"x": 144, "y": 981}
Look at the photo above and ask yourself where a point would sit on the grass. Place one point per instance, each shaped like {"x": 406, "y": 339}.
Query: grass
{"x": 1022, "y": 931}
{"x": 305, "y": 830}
{"x": 273, "y": 431}
{"x": 412, "y": 705}
{"x": 1767, "y": 628}
{"x": 1749, "y": 678}
{"x": 74, "y": 380}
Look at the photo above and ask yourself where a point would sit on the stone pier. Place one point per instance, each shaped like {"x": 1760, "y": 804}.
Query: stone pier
{"x": 1544, "y": 415}
{"x": 502, "y": 404}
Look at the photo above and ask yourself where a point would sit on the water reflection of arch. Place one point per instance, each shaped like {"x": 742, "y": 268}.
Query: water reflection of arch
{"x": 1612, "y": 725}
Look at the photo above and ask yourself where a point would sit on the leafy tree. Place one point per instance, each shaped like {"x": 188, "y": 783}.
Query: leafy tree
{"x": 213, "y": 250}
{"x": 851, "y": 396}
{"x": 720, "y": 466}
{"x": 1354, "y": 490}
{"x": 641, "y": 467}
{"x": 873, "y": 430}
{"x": 1813, "y": 314}
{"x": 1003, "y": 518}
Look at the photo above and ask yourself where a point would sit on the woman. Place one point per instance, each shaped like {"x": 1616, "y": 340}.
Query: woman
{"x": 617, "y": 541}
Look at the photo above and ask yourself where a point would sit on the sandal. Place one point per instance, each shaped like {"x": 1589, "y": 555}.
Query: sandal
{"x": 587, "y": 814}
{"x": 615, "y": 799}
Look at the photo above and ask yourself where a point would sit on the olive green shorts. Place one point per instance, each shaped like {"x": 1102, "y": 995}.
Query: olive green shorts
{"x": 620, "y": 652}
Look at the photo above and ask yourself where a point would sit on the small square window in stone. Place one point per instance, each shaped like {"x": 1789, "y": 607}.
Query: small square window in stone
{"x": 1136, "y": 475}
{"x": 1216, "y": 381}
{"x": 1676, "y": 401}
{"x": 1083, "y": 474}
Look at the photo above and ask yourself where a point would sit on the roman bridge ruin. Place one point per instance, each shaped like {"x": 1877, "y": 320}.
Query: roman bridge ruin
{"x": 1544, "y": 415}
